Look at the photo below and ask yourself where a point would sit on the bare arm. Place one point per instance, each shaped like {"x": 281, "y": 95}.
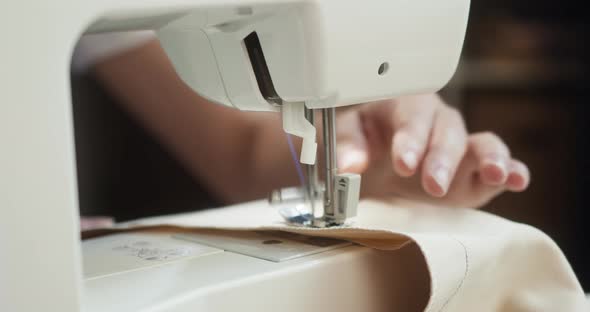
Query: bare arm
{"x": 226, "y": 149}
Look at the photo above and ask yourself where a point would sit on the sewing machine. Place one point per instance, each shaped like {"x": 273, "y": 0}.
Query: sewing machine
{"x": 294, "y": 57}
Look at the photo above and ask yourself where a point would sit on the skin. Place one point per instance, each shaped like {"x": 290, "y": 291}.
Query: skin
{"x": 417, "y": 148}
{"x": 414, "y": 147}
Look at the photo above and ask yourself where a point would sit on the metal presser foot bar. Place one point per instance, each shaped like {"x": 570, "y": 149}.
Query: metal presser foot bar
{"x": 330, "y": 167}
{"x": 338, "y": 196}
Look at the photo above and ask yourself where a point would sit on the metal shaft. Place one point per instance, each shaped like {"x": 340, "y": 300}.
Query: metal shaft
{"x": 311, "y": 170}
{"x": 331, "y": 169}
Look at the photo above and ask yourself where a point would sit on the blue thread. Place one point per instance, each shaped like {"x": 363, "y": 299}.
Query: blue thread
{"x": 296, "y": 160}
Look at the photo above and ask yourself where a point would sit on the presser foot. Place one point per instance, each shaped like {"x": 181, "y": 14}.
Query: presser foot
{"x": 338, "y": 196}
{"x": 298, "y": 206}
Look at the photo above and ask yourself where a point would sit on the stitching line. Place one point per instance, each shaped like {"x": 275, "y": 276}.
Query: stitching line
{"x": 464, "y": 275}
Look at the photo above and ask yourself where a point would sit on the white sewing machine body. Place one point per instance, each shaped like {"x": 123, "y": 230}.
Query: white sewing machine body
{"x": 158, "y": 272}
{"x": 324, "y": 53}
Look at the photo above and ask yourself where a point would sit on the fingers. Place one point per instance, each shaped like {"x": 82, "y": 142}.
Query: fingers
{"x": 493, "y": 156}
{"x": 90, "y": 223}
{"x": 352, "y": 152}
{"x": 496, "y": 167}
{"x": 412, "y": 124}
{"x": 421, "y": 133}
{"x": 446, "y": 149}
{"x": 518, "y": 176}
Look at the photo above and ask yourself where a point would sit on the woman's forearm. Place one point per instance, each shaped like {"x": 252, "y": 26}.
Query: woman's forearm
{"x": 237, "y": 155}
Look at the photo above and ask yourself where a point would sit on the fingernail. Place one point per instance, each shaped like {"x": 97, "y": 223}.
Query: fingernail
{"x": 516, "y": 182}
{"x": 410, "y": 159}
{"x": 518, "y": 177}
{"x": 441, "y": 177}
{"x": 350, "y": 157}
{"x": 499, "y": 163}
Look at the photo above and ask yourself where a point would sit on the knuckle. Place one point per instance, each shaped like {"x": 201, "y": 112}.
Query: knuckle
{"x": 490, "y": 141}
{"x": 432, "y": 98}
{"x": 415, "y": 126}
{"x": 488, "y": 136}
{"x": 450, "y": 139}
{"x": 455, "y": 115}
{"x": 446, "y": 149}
{"x": 417, "y": 129}
{"x": 452, "y": 110}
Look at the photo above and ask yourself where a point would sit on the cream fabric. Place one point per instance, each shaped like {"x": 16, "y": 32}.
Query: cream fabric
{"x": 477, "y": 261}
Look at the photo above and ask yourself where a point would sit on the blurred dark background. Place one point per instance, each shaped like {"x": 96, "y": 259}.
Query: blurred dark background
{"x": 524, "y": 75}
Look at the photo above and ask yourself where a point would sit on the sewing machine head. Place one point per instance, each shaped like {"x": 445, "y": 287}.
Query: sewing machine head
{"x": 316, "y": 55}
{"x": 299, "y": 56}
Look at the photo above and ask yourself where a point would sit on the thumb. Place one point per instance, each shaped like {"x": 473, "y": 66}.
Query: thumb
{"x": 92, "y": 223}
{"x": 351, "y": 150}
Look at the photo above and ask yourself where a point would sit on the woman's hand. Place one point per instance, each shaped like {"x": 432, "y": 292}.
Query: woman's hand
{"x": 417, "y": 147}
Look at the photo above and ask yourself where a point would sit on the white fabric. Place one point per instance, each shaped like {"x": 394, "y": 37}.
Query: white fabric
{"x": 477, "y": 261}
